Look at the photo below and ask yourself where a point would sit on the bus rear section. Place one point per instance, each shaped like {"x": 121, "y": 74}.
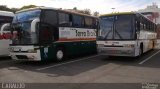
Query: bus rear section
{"x": 5, "y": 33}
{"x": 125, "y": 34}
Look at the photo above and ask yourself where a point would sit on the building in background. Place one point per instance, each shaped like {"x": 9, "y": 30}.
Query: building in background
{"x": 153, "y": 13}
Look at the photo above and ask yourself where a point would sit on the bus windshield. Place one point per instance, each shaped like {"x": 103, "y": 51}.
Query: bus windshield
{"x": 26, "y": 16}
{"x": 118, "y": 27}
{"x": 106, "y": 26}
{"x": 22, "y": 24}
{"x": 5, "y": 19}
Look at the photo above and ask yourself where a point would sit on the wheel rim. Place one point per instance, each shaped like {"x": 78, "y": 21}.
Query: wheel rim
{"x": 59, "y": 54}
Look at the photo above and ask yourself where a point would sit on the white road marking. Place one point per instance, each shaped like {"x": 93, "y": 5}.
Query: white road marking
{"x": 149, "y": 58}
{"x": 66, "y": 63}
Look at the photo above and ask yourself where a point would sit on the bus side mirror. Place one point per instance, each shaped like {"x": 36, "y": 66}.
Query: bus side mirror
{"x": 3, "y": 26}
{"x": 33, "y": 24}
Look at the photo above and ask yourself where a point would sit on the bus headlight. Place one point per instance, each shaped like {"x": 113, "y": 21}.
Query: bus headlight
{"x": 129, "y": 45}
{"x": 32, "y": 51}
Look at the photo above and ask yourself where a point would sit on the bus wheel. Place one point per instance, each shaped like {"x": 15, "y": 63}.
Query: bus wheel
{"x": 59, "y": 54}
{"x": 141, "y": 50}
{"x": 153, "y": 45}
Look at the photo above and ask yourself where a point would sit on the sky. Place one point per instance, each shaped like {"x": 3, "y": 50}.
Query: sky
{"x": 102, "y": 6}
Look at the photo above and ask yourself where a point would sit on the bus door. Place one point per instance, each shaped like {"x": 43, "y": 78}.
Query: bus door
{"x": 48, "y": 33}
{"x": 48, "y": 27}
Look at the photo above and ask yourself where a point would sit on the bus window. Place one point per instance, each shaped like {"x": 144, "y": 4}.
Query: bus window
{"x": 47, "y": 27}
{"x": 5, "y": 19}
{"x": 137, "y": 25}
{"x": 88, "y": 22}
{"x": 50, "y": 17}
{"x": 151, "y": 27}
{"x": 123, "y": 27}
{"x": 78, "y": 21}
{"x": 46, "y": 34}
{"x": 141, "y": 26}
{"x": 64, "y": 19}
{"x": 155, "y": 27}
{"x": 148, "y": 26}
{"x": 144, "y": 26}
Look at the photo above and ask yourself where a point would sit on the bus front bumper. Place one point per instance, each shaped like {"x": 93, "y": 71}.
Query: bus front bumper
{"x": 26, "y": 56}
{"x": 111, "y": 51}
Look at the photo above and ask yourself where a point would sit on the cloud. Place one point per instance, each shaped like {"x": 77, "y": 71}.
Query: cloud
{"x": 20, "y": 3}
{"x": 102, "y": 6}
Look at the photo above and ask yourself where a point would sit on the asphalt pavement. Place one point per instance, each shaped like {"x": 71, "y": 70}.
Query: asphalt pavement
{"x": 87, "y": 69}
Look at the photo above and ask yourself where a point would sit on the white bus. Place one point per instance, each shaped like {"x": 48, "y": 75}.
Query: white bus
{"x": 5, "y": 34}
{"x": 48, "y": 33}
{"x": 125, "y": 34}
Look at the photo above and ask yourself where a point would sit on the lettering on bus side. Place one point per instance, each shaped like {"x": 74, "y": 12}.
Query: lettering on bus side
{"x": 6, "y": 36}
{"x": 79, "y": 34}
{"x": 91, "y": 33}
{"x": 85, "y": 33}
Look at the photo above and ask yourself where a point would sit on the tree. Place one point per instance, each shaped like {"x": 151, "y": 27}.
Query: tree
{"x": 14, "y": 9}
{"x": 75, "y": 8}
{"x": 87, "y": 11}
{"x": 27, "y": 7}
{"x": 4, "y": 8}
{"x": 96, "y": 13}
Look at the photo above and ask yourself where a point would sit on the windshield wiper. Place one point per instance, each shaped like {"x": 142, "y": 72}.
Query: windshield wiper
{"x": 118, "y": 34}
{"x": 106, "y": 35}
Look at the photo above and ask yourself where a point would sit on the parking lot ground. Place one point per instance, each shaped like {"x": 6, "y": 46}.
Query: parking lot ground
{"x": 90, "y": 69}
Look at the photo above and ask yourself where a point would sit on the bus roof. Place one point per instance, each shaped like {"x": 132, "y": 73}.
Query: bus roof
{"x": 35, "y": 9}
{"x": 118, "y": 13}
{"x": 126, "y": 13}
{"x": 67, "y": 11}
{"x": 6, "y": 13}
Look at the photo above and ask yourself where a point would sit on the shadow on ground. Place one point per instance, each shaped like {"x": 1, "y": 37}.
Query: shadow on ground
{"x": 78, "y": 67}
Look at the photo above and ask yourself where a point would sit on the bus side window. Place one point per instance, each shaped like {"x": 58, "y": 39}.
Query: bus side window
{"x": 138, "y": 25}
{"x": 151, "y": 26}
{"x": 141, "y": 26}
{"x": 78, "y": 21}
{"x": 50, "y": 17}
{"x": 48, "y": 27}
{"x": 144, "y": 25}
{"x": 155, "y": 28}
{"x": 64, "y": 19}
{"x": 88, "y": 22}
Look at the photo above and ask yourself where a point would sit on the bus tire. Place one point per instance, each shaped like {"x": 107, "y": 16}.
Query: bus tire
{"x": 60, "y": 55}
{"x": 141, "y": 50}
{"x": 153, "y": 44}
